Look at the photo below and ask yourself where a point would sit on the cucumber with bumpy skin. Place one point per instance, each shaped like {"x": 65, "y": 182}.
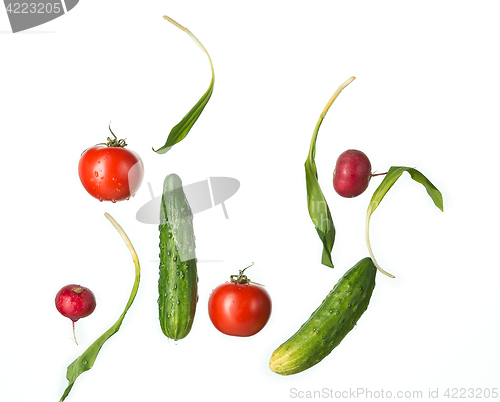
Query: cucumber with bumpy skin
{"x": 329, "y": 324}
{"x": 178, "y": 282}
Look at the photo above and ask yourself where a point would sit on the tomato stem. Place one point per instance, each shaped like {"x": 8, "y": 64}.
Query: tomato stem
{"x": 114, "y": 142}
{"x": 242, "y": 279}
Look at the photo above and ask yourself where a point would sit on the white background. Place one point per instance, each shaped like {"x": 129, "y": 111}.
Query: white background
{"x": 425, "y": 95}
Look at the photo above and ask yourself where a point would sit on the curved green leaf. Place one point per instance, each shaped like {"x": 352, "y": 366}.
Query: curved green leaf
{"x": 316, "y": 202}
{"x": 181, "y": 130}
{"x": 390, "y": 178}
{"x": 393, "y": 175}
{"x": 87, "y": 359}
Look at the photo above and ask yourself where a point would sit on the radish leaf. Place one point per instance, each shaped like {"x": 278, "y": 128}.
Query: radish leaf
{"x": 316, "y": 202}
{"x": 181, "y": 130}
{"x": 390, "y": 178}
{"x": 87, "y": 359}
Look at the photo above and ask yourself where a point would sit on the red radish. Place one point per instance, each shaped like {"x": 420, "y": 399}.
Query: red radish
{"x": 352, "y": 173}
{"x": 75, "y": 302}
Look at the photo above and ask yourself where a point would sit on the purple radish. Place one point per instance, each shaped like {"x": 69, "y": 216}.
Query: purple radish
{"x": 352, "y": 173}
{"x": 75, "y": 302}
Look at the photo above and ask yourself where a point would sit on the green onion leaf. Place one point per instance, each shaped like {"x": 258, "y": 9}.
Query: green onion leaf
{"x": 392, "y": 175}
{"x": 316, "y": 203}
{"x": 87, "y": 359}
{"x": 181, "y": 130}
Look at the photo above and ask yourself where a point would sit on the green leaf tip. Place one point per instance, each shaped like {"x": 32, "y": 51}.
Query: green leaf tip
{"x": 181, "y": 129}
{"x": 316, "y": 202}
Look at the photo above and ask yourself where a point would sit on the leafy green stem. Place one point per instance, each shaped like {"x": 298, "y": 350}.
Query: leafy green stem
{"x": 390, "y": 178}
{"x": 181, "y": 129}
{"x": 316, "y": 202}
{"x": 370, "y": 251}
{"x": 192, "y": 36}
{"x": 312, "y": 148}
{"x": 87, "y": 359}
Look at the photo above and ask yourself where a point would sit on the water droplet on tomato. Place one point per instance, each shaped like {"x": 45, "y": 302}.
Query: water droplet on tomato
{"x": 100, "y": 198}
{"x": 96, "y": 173}
{"x": 113, "y": 201}
{"x": 117, "y": 189}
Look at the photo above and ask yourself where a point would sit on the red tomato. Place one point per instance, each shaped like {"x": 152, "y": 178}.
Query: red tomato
{"x": 239, "y": 309}
{"x": 111, "y": 172}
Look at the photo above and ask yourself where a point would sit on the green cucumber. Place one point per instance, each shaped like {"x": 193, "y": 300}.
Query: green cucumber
{"x": 178, "y": 282}
{"x": 329, "y": 324}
